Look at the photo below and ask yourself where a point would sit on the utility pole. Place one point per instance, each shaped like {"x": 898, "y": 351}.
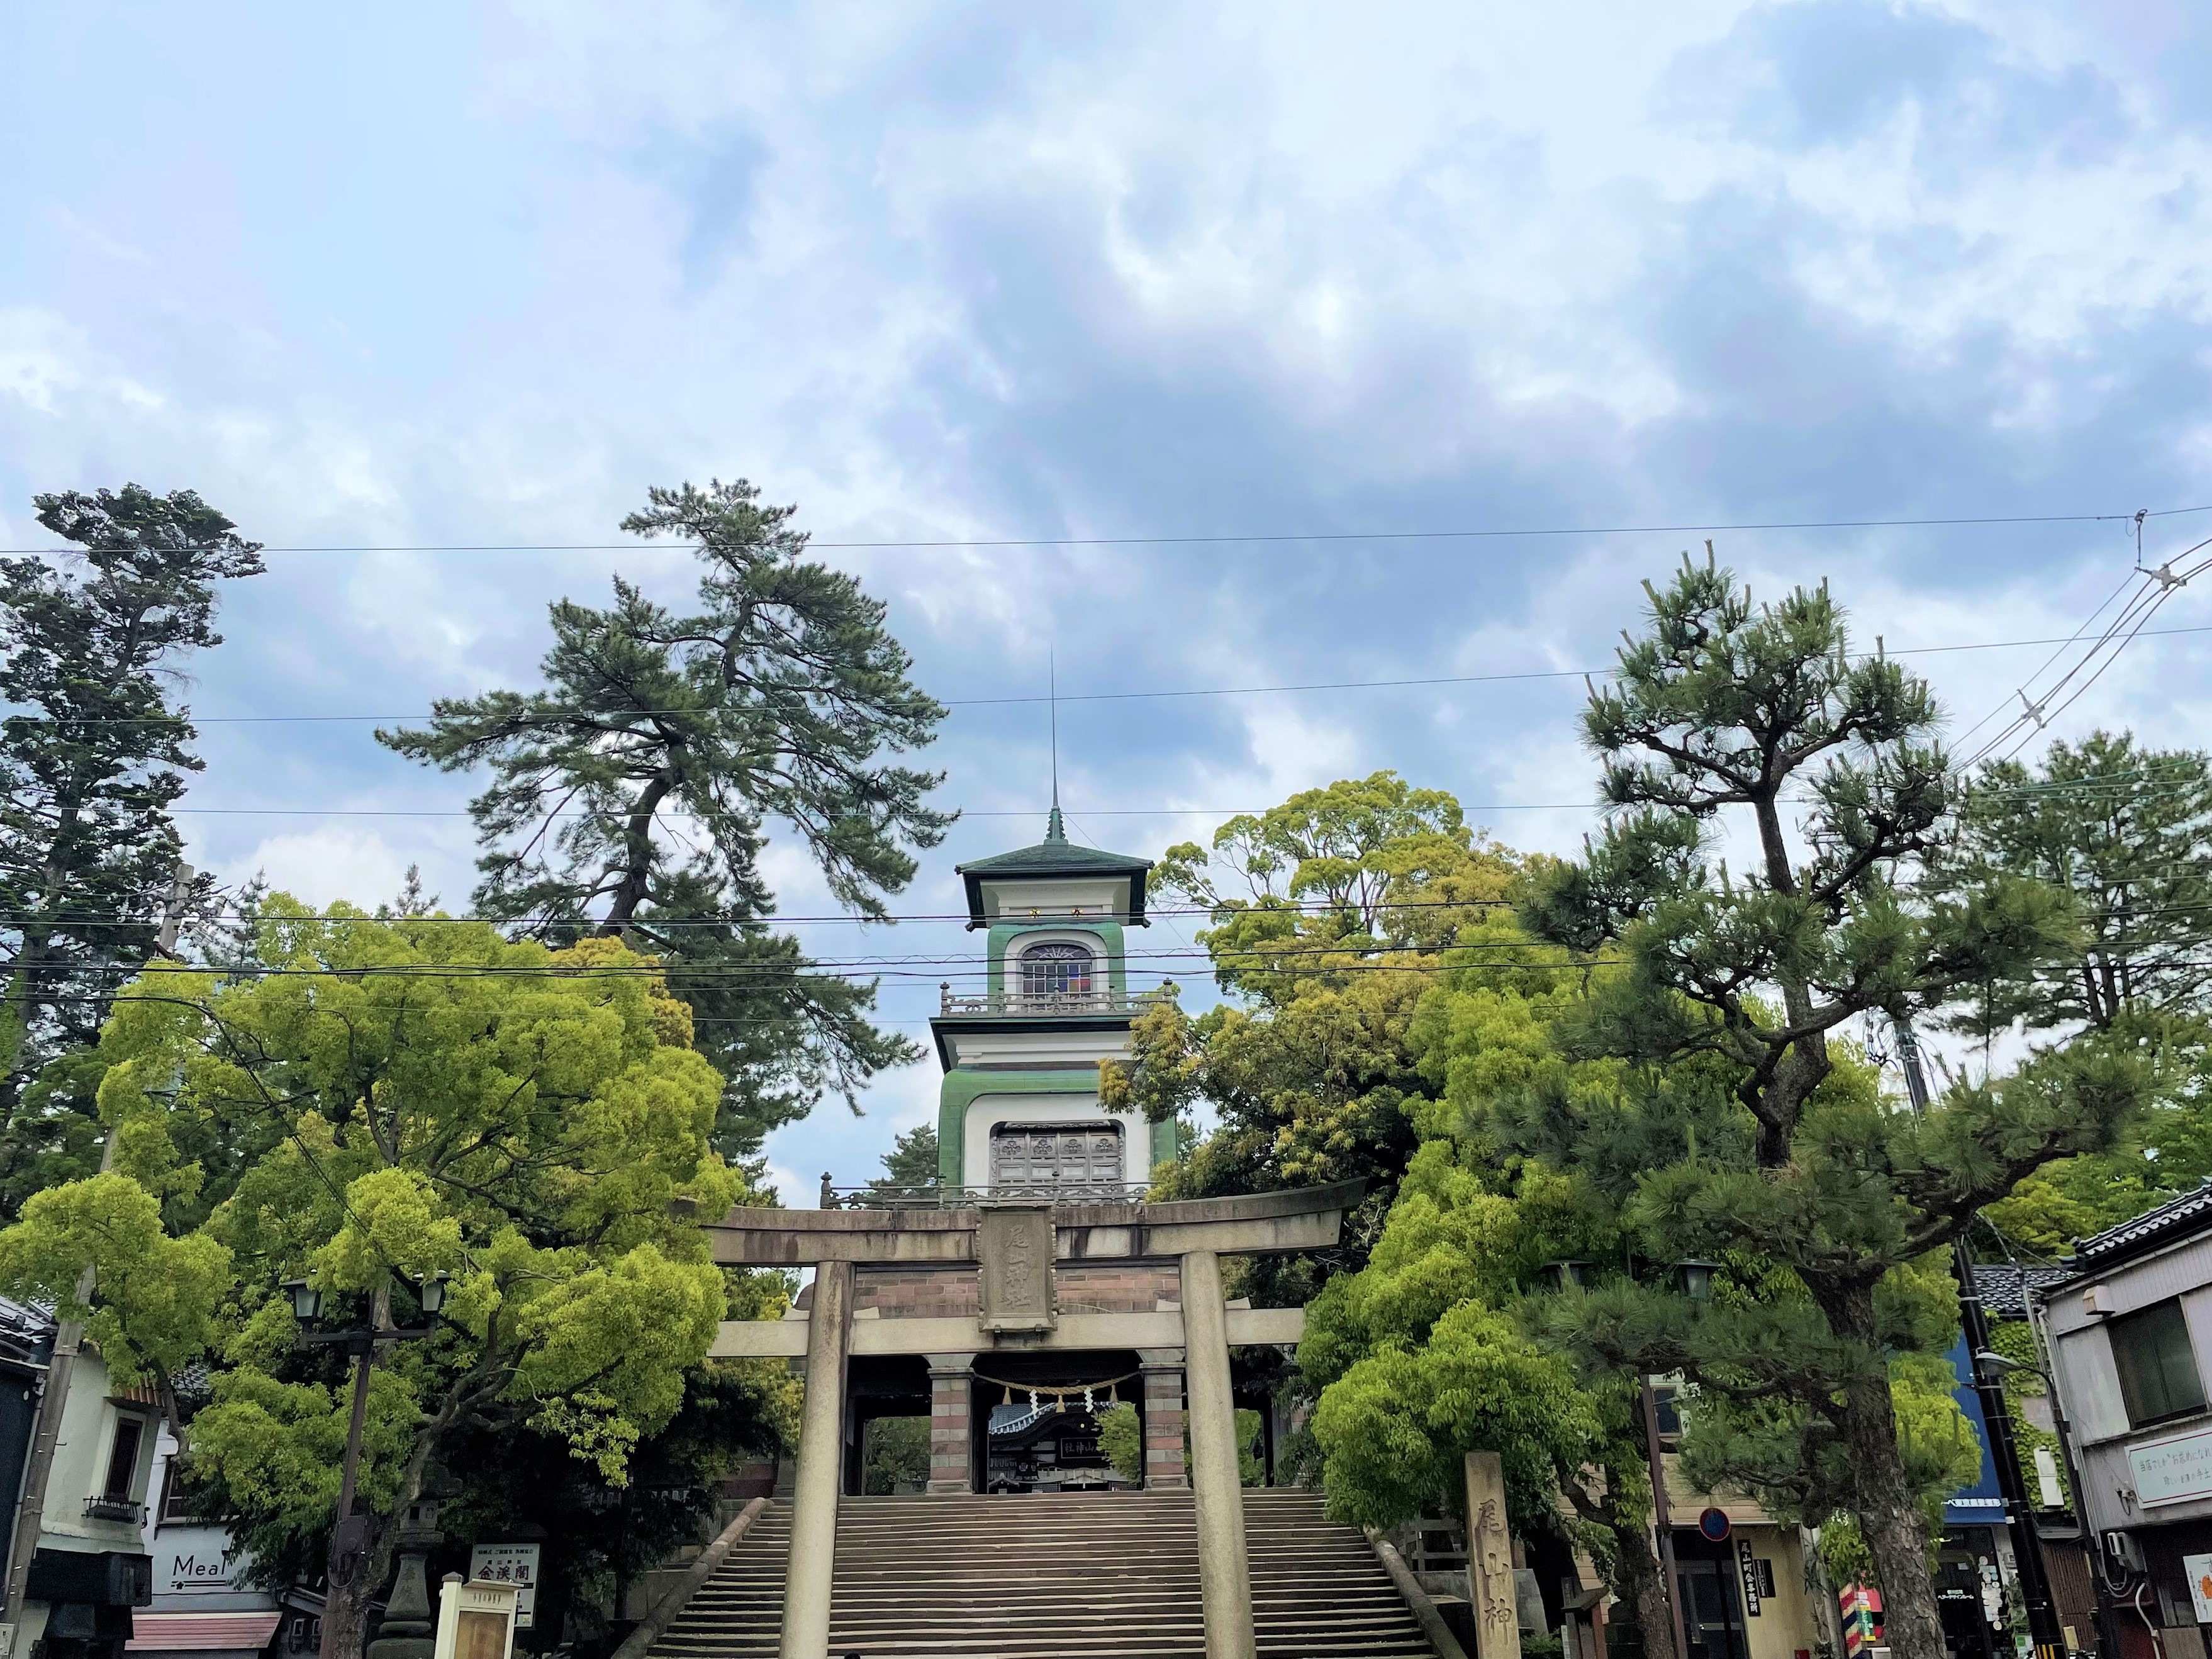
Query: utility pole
{"x": 1663, "y": 1523}
{"x": 1997, "y": 1416}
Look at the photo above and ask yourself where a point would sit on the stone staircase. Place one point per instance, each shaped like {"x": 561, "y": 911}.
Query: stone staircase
{"x": 1052, "y": 1576}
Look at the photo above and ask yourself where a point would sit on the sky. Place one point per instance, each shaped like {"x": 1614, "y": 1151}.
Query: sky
{"x": 475, "y": 277}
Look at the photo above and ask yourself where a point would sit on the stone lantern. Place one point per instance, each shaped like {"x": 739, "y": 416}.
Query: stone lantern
{"x": 410, "y": 1626}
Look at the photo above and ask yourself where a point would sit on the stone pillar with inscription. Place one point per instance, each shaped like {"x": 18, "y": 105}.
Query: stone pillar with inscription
{"x": 1165, "y": 1469}
{"x": 1491, "y": 1592}
{"x": 951, "y": 1424}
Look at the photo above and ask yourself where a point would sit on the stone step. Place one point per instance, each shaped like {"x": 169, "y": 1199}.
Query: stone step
{"x": 1052, "y": 1576}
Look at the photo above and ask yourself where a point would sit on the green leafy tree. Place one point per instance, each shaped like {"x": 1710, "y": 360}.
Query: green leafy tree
{"x": 2126, "y": 832}
{"x": 1435, "y": 1347}
{"x": 909, "y": 1167}
{"x": 1349, "y": 894}
{"x": 1759, "y": 721}
{"x": 385, "y": 1101}
{"x": 93, "y": 756}
{"x": 599, "y": 1535}
{"x": 633, "y": 798}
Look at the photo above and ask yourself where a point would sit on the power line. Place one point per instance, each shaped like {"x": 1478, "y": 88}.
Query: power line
{"x": 1065, "y": 696}
{"x": 1253, "y": 539}
{"x": 2116, "y": 782}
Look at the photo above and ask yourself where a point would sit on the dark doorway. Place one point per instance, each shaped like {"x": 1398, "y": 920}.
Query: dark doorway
{"x": 1964, "y": 1586}
{"x": 1712, "y": 1598}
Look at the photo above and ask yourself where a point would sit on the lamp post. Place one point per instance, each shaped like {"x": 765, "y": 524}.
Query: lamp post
{"x": 350, "y": 1537}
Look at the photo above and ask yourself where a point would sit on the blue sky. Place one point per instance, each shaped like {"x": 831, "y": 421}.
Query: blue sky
{"x": 449, "y": 275}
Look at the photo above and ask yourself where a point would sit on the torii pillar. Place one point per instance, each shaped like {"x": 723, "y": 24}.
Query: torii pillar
{"x": 1020, "y": 1310}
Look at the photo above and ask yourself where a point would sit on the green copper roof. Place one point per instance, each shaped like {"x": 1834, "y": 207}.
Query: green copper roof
{"x": 1055, "y": 855}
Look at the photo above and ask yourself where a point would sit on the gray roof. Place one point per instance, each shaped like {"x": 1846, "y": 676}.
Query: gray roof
{"x": 2005, "y": 1286}
{"x": 2176, "y": 1219}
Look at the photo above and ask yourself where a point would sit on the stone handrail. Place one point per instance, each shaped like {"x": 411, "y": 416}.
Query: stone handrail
{"x": 651, "y": 1628}
{"x": 1424, "y": 1608}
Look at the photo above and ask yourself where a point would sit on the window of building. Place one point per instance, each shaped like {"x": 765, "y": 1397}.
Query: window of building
{"x": 1044, "y": 1158}
{"x": 1666, "y": 1408}
{"x": 123, "y": 1457}
{"x": 2157, "y": 1366}
{"x": 1057, "y": 970}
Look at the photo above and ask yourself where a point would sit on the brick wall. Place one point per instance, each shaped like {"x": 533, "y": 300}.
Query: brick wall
{"x": 954, "y": 1293}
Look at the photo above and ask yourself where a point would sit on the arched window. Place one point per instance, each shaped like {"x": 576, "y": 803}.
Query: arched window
{"x": 1057, "y": 970}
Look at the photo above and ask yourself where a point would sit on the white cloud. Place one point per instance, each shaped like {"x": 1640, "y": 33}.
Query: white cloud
{"x": 324, "y": 864}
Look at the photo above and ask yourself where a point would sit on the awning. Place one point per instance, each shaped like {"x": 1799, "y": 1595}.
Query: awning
{"x": 201, "y": 1633}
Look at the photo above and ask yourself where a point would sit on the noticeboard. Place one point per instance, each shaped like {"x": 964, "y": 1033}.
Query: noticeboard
{"x": 508, "y": 1564}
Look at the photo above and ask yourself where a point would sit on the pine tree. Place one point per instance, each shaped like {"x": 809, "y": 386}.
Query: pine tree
{"x": 1826, "y": 1205}
{"x": 633, "y": 798}
{"x": 91, "y": 754}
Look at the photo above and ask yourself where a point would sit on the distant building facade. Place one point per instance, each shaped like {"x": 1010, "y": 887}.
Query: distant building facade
{"x": 2131, "y": 1340}
{"x": 88, "y": 1567}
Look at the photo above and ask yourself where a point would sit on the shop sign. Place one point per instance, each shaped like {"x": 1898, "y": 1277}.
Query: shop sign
{"x": 2197, "y": 1569}
{"x": 197, "y": 1560}
{"x": 509, "y": 1564}
{"x": 2172, "y": 1471}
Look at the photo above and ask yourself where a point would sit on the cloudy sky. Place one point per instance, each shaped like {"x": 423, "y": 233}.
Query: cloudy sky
{"x": 451, "y": 276}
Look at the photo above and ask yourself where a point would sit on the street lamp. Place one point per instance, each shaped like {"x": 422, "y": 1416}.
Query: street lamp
{"x": 1696, "y": 1278}
{"x": 350, "y": 1537}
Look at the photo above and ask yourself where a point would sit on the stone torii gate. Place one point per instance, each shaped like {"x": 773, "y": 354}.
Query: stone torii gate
{"x": 1013, "y": 1255}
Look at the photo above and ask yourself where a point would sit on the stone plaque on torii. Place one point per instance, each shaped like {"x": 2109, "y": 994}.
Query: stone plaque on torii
{"x": 1017, "y": 1249}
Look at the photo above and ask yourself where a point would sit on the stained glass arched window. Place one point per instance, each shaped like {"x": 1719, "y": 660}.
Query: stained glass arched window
{"x": 1057, "y": 970}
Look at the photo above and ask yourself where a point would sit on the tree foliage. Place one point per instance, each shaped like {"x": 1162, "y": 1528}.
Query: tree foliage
{"x": 633, "y": 798}
{"x": 93, "y": 756}
{"x": 909, "y": 1167}
{"x": 1350, "y": 894}
{"x": 2126, "y": 833}
{"x": 1727, "y": 715}
{"x": 386, "y": 1101}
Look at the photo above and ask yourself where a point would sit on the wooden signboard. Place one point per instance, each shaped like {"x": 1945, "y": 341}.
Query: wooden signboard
{"x": 476, "y": 1620}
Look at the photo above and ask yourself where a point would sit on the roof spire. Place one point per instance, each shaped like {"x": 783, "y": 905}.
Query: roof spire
{"x": 1053, "y": 829}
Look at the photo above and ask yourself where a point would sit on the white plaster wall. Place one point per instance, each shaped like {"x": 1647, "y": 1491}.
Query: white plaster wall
{"x": 1018, "y": 900}
{"x": 80, "y": 1466}
{"x": 989, "y": 1109}
{"x": 1001, "y": 1047}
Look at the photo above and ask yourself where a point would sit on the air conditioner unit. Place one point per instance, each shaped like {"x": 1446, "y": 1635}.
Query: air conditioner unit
{"x": 2121, "y": 1550}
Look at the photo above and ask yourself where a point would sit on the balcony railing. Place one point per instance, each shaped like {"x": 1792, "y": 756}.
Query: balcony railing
{"x": 115, "y": 1509}
{"x": 1038, "y": 1003}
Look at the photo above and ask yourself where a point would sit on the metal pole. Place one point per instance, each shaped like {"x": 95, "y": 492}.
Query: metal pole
{"x": 1661, "y": 1521}
{"x": 1996, "y": 1415}
{"x": 350, "y": 1537}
